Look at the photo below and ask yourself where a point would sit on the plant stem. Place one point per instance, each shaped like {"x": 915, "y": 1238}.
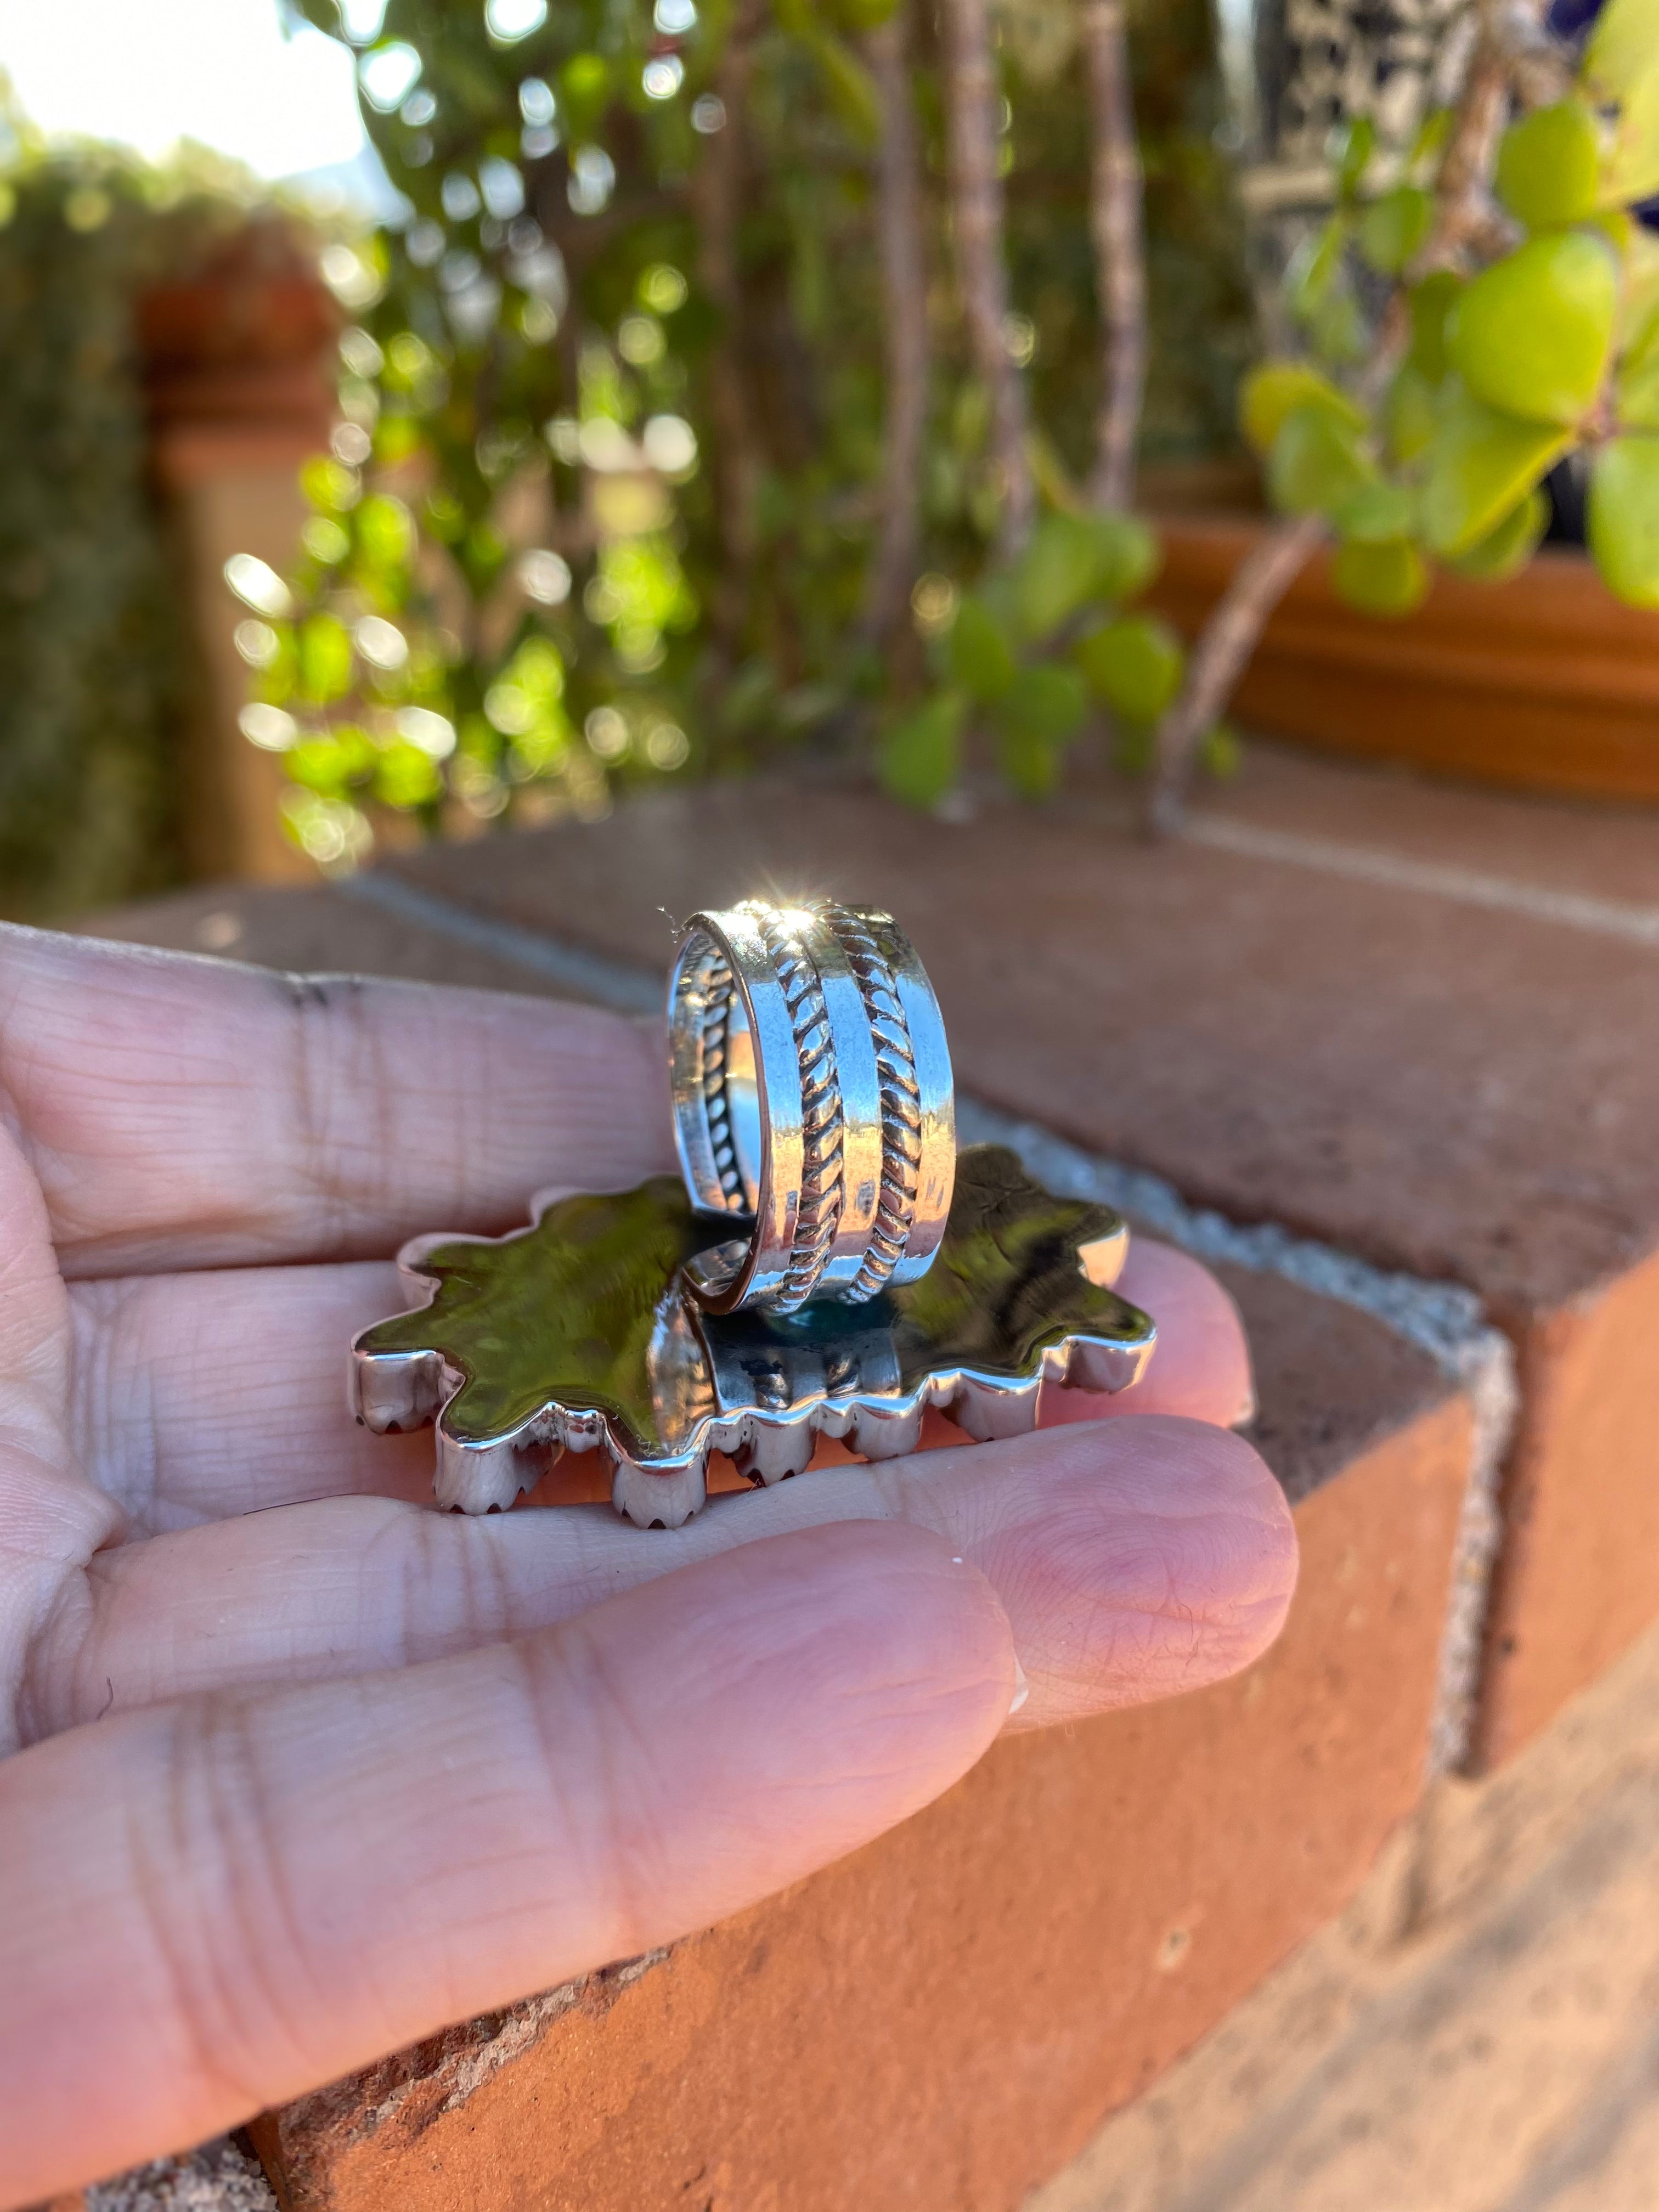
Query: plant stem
{"x": 1115, "y": 219}
{"x": 716, "y": 191}
{"x": 1463, "y": 188}
{"x": 1229, "y": 637}
{"x": 973, "y": 98}
{"x": 904, "y": 287}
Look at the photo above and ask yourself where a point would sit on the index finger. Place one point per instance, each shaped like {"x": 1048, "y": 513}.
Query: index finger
{"x": 182, "y": 1112}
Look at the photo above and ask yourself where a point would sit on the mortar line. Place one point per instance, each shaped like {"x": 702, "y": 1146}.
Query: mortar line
{"x": 1445, "y": 1320}
{"x": 618, "y": 984}
{"x": 1635, "y": 925}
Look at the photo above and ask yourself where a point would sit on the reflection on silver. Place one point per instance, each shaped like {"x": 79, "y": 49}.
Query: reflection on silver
{"x": 579, "y": 1333}
{"x": 813, "y": 1104}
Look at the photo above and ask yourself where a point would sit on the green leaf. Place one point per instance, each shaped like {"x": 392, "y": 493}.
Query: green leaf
{"x": 1389, "y": 579}
{"x": 1338, "y": 329}
{"x": 1637, "y": 393}
{"x": 1549, "y": 166}
{"x": 1531, "y": 335}
{"x": 396, "y": 438}
{"x": 330, "y": 765}
{"x": 1127, "y": 555}
{"x": 851, "y": 88}
{"x": 1393, "y": 229}
{"x": 1623, "y": 521}
{"x": 1072, "y": 560}
{"x": 1482, "y": 463}
{"x": 1509, "y": 545}
{"x": 1376, "y": 514}
{"x": 1314, "y": 267}
{"x": 1351, "y": 150}
{"x": 1029, "y": 764}
{"x": 1053, "y": 576}
{"x": 1045, "y": 702}
{"x": 921, "y": 756}
{"x": 1409, "y": 414}
{"x": 1277, "y": 389}
{"x": 860, "y": 16}
{"x": 1624, "y": 45}
{"x": 584, "y": 95}
{"x": 329, "y": 486}
{"x": 1617, "y": 226}
{"x": 1133, "y": 667}
{"x": 1432, "y": 133}
{"x": 1431, "y": 301}
{"x": 1632, "y": 170}
{"x": 384, "y": 531}
{"x": 1315, "y": 464}
{"x": 324, "y": 659}
{"x": 982, "y": 659}
{"x": 406, "y": 777}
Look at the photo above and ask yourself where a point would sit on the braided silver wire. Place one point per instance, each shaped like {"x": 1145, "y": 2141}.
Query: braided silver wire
{"x": 901, "y": 1098}
{"x": 822, "y": 1190}
{"x": 716, "y": 1030}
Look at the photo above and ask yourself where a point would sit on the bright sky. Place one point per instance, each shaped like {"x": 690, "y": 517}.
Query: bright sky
{"x": 150, "y": 72}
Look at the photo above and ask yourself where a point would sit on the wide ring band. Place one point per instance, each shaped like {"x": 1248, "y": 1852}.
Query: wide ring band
{"x": 813, "y": 1104}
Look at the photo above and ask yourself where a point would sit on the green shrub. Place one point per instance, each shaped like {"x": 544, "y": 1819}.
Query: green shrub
{"x": 91, "y": 668}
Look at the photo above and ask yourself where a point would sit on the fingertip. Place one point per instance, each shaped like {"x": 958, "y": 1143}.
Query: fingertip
{"x": 1138, "y": 1559}
{"x": 1200, "y": 1368}
{"x": 892, "y": 1621}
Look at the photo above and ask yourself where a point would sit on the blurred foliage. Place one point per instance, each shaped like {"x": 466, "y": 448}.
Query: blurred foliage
{"x": 1542, "y": 341}
{"x": 519, "y": 587}
{"x": 90, "y": 660}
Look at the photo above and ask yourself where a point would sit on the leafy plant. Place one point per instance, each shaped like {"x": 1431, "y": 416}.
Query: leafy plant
{"x": 1046, "y": 641}
{"x": 1469, "y": 324}
{"x": 736, "y": 377}
{"x": 672, "y": 374}
{"x": 90, "y": 652}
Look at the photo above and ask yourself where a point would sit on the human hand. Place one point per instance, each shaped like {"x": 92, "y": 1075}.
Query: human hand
{"x": 304, "y": 1769}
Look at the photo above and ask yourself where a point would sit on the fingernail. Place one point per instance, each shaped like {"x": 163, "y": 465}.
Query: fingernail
{"x": 1021, "y": 1689}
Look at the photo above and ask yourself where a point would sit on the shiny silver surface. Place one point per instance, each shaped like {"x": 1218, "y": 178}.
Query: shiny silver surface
{"x": 581, "y": 1333}
{"x": 813, "y": 1104}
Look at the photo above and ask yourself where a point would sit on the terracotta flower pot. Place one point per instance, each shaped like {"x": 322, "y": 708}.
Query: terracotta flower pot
{"x": 1546, "y": 682}
{"x": 244, "y": 343}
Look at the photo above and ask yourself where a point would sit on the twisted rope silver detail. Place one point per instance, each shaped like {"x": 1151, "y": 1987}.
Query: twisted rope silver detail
{"x": 823, "y": 1182}
{"x": 720, "y": 986}
{"x": 901, "y": 1098}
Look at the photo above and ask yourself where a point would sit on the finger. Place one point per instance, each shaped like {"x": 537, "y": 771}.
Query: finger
{"x": 1132, "y": 1558}
{"x": 223, "y": 1392}
{"x": 219, "y": 1393}
{"x": 186, "y": 1113}
{"x": 298, "y": 1882}
{"x": 1200, "y": 1365}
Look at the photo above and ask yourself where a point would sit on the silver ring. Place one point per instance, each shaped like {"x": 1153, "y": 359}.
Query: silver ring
{"x": 813, "y": 1103}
